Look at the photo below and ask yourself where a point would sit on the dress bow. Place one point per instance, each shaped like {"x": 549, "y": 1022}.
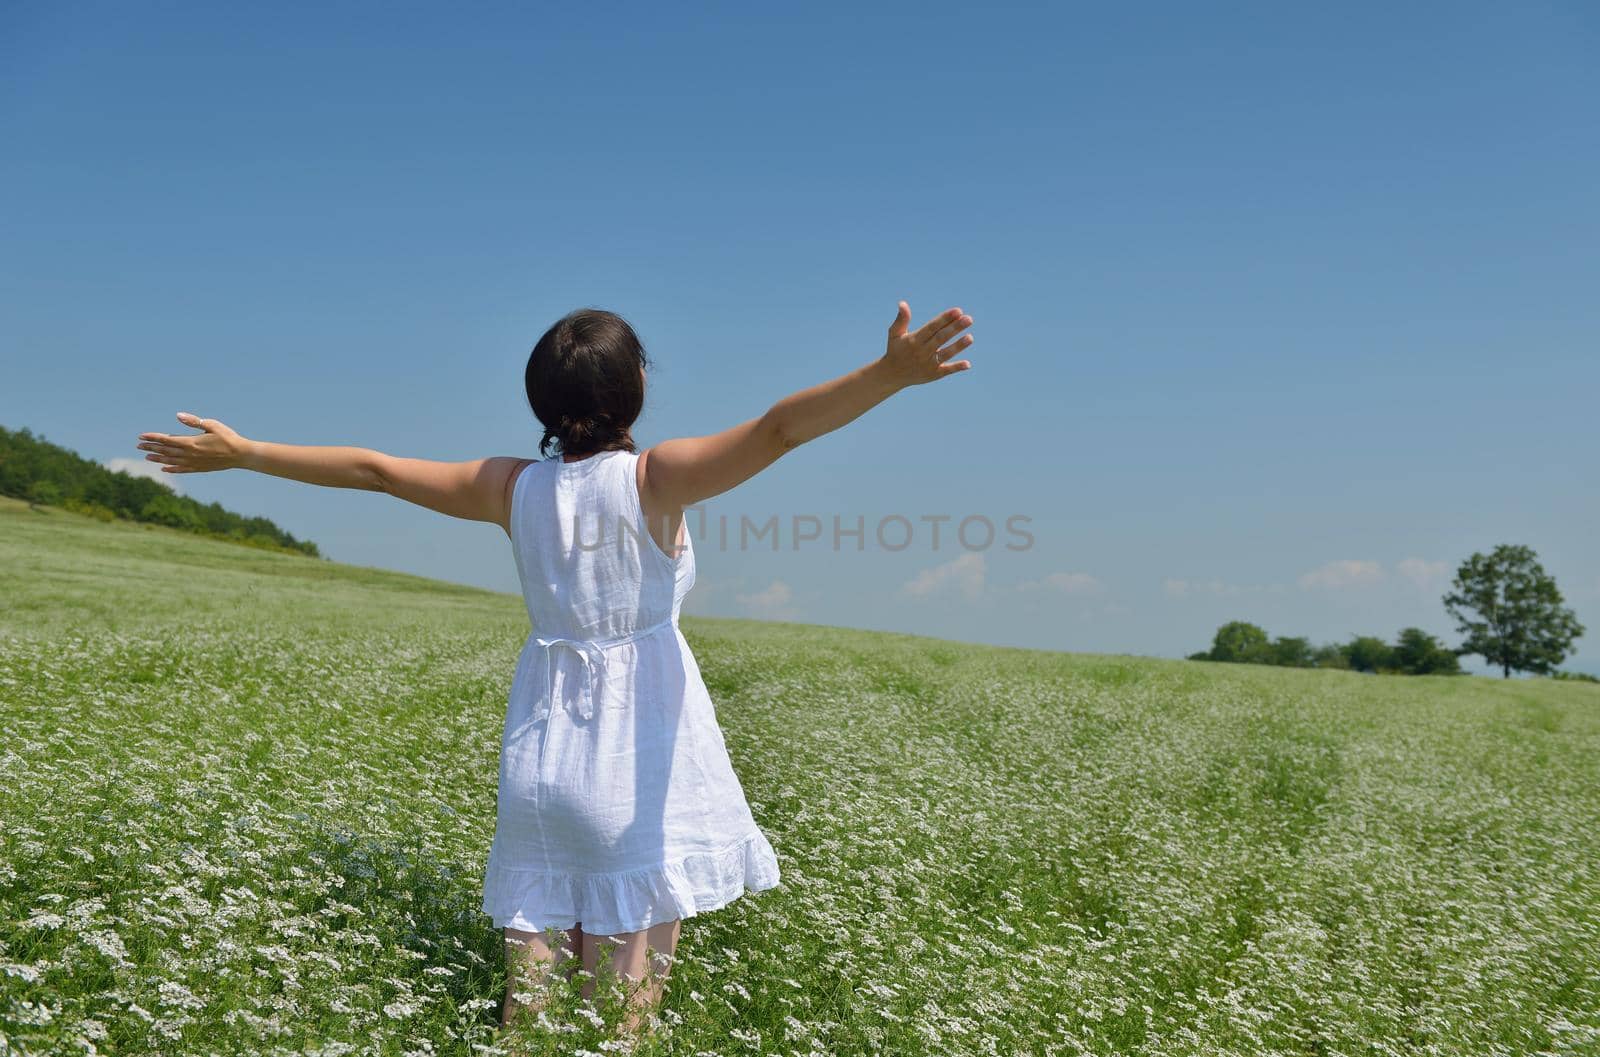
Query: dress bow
{"x": 593, "y": 659}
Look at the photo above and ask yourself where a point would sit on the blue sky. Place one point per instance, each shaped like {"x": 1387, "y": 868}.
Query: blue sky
{"x": 1281, "y": 312}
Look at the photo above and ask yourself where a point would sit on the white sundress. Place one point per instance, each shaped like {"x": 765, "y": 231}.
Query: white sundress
{"x": 618, "y": 805}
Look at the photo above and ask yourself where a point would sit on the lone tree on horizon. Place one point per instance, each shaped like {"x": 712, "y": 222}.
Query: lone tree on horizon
{"x": 1511, "y": 612}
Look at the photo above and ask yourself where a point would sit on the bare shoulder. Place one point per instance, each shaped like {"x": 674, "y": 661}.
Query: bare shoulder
{"x": 663, "y": 517}
{"x": 513, "y": 468}
{"x": 641, "y": 480}
{"x": 660, "y": 508}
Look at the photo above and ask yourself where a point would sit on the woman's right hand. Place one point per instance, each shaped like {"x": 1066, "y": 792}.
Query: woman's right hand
{"x": 923, "y": 355}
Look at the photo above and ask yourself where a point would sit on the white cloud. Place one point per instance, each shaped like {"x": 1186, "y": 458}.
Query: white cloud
{"x": 1066, "y": 583}
{"x": 964, "y": 574}
{"x": 1179, "y": 588}
{"x": 1423, "y": 573}
{"x": 772, "y": 602}
{"x": 1184, "y": 588}
{"x": 144, "y": 468}
{"x": 1341, "y": 574}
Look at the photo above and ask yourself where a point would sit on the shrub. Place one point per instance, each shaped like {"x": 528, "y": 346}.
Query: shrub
{"x": 1239, "y": 642}
{"x": 1418, "y": 653}
{"x": 88, "y": 509}
{"x": 1368, "y": 653}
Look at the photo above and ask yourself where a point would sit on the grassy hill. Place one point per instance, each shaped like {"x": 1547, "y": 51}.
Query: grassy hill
{"x": 245, "y": 799}
{"x": 46, "y": 474}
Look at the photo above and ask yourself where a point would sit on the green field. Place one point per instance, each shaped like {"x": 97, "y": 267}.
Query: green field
{"x": 245, "y": 799}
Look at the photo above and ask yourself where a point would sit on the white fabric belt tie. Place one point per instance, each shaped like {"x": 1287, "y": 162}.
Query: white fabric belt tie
{"x": 591, "y": 653}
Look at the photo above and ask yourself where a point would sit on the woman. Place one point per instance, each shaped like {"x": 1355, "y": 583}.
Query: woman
{"x": 619, "y": 813}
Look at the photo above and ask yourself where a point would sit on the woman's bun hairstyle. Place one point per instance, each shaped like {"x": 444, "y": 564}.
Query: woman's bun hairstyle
{"x": 584, "y": 383}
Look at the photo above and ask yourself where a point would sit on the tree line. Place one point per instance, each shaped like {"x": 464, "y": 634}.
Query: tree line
{"x": 1414, "y": 652}
{"x": 47, "y": 474}
{"x": 1506, "y": 606}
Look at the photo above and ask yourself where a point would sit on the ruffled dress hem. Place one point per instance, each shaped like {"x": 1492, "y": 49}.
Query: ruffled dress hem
{"x": 629, "y": 900}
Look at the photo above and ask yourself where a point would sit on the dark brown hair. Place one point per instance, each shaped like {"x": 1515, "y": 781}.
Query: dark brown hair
{"x": 584, "y": 384}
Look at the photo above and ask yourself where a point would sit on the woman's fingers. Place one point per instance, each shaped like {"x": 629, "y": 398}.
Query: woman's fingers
{"x": 951, "y": 329}
{"x": 954, "y": 347}
{"x": 210, "y": 426}
{"x": 901, "y": 318}
{"x": 165, "y": 438}
{"x": 931, "y": 328}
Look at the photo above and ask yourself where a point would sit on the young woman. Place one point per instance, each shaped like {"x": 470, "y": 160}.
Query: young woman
{"x": 619, "y": 813}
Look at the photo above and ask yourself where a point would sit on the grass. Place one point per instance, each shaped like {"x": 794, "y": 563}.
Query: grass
{"x": 246, "y": 798}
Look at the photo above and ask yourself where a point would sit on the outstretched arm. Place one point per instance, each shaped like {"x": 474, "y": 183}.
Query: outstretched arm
{"x": 679, "y": 473}
{"x": 477, "y": 490}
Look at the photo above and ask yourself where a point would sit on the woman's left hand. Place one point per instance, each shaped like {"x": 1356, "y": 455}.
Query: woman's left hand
{"x": 218, "y": 448}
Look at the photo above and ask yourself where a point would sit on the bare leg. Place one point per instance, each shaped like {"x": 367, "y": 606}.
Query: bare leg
{"x": 645, "y": 956}
{"x": 529, "y": 958}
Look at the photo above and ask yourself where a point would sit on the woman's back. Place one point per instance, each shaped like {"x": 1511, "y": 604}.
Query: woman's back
{"x": 618, "y": 806}
{"x": 589, "y": 568}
